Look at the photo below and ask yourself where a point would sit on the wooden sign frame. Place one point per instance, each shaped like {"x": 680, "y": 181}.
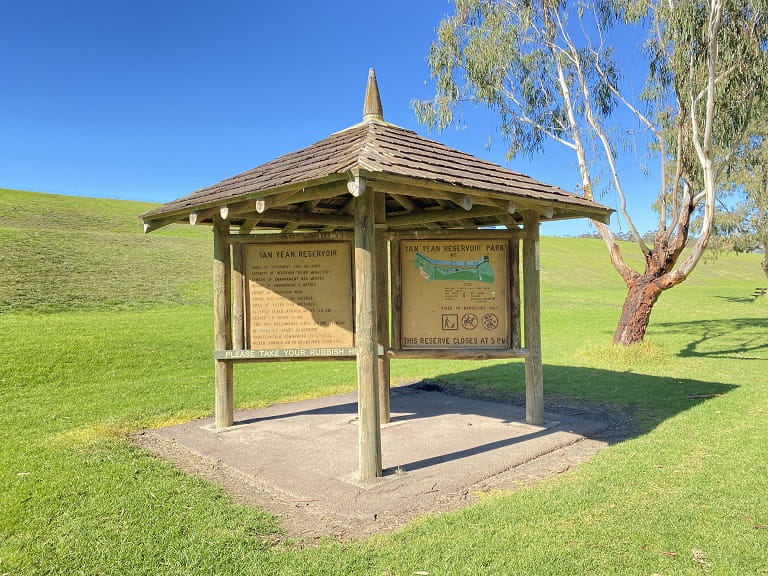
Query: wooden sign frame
{"x": 308, "y": 322}
{"x": 468, "y": 301}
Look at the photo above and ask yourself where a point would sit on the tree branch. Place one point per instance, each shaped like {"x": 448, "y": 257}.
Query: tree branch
{"x": 626, "y": 272}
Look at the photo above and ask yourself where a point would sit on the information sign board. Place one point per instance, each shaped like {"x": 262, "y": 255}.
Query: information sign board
{"x": 454, "y": 294}
{"x": 299, "y": 295}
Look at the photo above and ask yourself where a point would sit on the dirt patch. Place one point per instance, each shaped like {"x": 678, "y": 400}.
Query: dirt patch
{"x": 441, "y": 451}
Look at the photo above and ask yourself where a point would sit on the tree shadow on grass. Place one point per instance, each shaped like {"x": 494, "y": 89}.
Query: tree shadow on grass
{"x": 735, "y": 338}
{"x": 629, "y": 403}
{"x": 737, "y": 299}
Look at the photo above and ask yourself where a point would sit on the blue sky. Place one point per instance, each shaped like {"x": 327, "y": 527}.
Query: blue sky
{"x": 151, "y": 100}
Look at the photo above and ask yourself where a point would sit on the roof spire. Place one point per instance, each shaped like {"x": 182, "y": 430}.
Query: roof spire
{"x": 372, "y": 109}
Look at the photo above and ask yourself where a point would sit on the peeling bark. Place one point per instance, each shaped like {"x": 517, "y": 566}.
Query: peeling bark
{"x": 636, "y": 312}
{"x": 644, "y": 289}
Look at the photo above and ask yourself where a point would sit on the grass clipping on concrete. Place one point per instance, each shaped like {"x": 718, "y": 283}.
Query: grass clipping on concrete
{"x": 125, "y": 342}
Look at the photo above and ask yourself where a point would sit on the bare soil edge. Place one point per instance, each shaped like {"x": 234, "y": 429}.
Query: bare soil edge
{"x": 305, "y": 524}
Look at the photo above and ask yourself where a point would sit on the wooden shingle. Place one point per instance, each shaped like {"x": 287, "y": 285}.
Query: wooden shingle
{"x": 307, "y": 188}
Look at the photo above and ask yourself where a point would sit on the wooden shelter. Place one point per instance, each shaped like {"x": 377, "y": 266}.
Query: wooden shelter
{"x": 371, "y": 184}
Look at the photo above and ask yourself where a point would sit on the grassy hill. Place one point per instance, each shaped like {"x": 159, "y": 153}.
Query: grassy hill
{"x": 65, "y": 253}
{"x": 125, "y": 342}
{"x": 62, "y": 253}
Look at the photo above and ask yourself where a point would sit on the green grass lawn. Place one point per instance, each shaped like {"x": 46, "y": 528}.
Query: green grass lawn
{"x": 60, "y": 253}
{"x": 96, "y": 343}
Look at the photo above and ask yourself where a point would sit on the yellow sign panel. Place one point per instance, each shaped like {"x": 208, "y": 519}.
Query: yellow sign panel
{"x": 454, "y": 294}
{"x": 299, "y": 295}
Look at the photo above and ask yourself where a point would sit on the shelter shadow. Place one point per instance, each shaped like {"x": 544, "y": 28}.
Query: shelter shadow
{"x": 630, "y": 403}
{"x": 626, "y": 404}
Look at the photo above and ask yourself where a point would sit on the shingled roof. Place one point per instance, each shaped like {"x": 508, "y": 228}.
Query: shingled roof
{"x": 426, "y": 184}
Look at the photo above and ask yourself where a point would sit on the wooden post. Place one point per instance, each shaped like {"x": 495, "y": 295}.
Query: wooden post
{"x": 534, "y": 379}
{"x": 369, "y": 433}
{"x": 382, "y": 305}
{"x": 514, "y": 293}
{"x": 396, "y": 291}
{"x": 222, "y": 294}
{"x": 238, "y": 297}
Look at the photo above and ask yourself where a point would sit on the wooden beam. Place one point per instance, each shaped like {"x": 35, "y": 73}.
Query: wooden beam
{"x": 241, "y": 207}
{"x": 522, "y": 200}
{"x": 271, "y": 237}
{"x": 199, "y": 215}
{"x": 454, "y": 234}
{"x": 396, "y": 289}
{"x": 411, "y": 206}
{"x": 509, "y": 221}
{"x": 222, "y": 325}
{"x": 331, "y": 185}
{"x": 369, "y": 446}
{"x": 356, "y": 186}
{"x": 515, "y": 329}
{"x": 264, "y": 204}
{"x": 320, "y": 192}
{"x": 405, "y": 202}
{"x": 439, "y": 215}
{"x": 245, "y": 190}
{"x": 298, "y": 217}
{"x": 464, "y": 201}
{"x": 240, "y": 288}
{"x": 445, "y": 205}
{"x": 534, "y": 378}
{"x": 152, "y": 225}
{"x": 348, "y": 207}
{"x": 261, "y": 205}
{"x": 458, "y": 353}
{"x": 414, "y": 190}
{"x": 239, "y": 282}
{"x": 382, "y": 305}
{"x": 410, "y": 182}
{"x": 247, "y": 226}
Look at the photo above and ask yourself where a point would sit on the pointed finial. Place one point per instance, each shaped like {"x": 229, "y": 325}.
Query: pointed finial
{"x": 372, "y": 109}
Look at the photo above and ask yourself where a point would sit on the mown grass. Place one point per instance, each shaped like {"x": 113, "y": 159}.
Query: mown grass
{"x": 77, "y": 498}
{"x": 60, "y": 253}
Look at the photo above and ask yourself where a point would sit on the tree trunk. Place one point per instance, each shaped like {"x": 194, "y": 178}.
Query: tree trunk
{"x": 636, "y": 312}
{"x": 764, "y": 263}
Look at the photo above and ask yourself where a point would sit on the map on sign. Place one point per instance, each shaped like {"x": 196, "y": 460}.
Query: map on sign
{"x": 477, "y": 270}
{"x": 454, "y": 294}
{"x": 299, "y": 295}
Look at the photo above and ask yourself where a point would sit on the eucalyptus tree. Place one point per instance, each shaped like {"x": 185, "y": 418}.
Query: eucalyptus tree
{"x": 551, "y": 72}
{"x": 742, "y": 225}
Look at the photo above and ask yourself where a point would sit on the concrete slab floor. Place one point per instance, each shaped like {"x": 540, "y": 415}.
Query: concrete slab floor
{"x": 299, "y": 460}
